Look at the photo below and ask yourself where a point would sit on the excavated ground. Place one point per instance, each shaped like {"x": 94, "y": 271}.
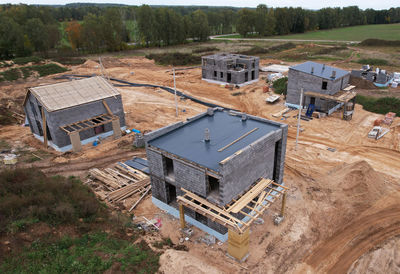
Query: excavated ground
{"x": 343, "y": 211}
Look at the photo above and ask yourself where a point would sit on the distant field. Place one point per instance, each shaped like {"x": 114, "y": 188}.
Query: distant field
{"x": 357, "y": 33}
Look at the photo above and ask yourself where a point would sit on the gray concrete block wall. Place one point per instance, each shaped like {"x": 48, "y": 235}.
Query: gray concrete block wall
{"x": 242, "y": 170}
{"x": 280, "y": 155}
{"x": 217, "y": 69}
{"x": 155, "y": 162}
{"x": 298, "y": 80}
{"x": 158, "y": 188}
{"x": 62, "y": 117}
{"x": 217, "y": 227}
{"x": 190, "y": 178}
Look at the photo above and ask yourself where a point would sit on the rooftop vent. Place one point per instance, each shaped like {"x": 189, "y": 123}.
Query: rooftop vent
{"x": 312, "y": 70}
{"x": 323, "y": 67}
{"x": 207, "y": 135}
{"x": 333, "y": 74}
{"x": 210, "y": 111}
{"x": 244, "y": 117}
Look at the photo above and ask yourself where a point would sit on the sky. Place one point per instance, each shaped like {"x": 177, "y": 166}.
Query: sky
{"x": 308, "y": 4}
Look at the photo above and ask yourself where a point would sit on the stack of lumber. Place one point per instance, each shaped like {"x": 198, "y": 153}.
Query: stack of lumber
{"x": 120, "y": 182}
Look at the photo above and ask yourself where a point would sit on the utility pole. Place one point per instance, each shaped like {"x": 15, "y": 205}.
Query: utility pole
{"x": 176, "y": 100}
{"x": 298, "y": 119}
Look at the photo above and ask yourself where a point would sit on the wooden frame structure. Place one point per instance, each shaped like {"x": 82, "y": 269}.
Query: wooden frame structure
{"x": 251, "y": 205}
{"x": 88, "y": 123}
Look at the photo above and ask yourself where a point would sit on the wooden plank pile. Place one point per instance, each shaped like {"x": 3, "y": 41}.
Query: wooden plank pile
{"x": 119, "y": 182}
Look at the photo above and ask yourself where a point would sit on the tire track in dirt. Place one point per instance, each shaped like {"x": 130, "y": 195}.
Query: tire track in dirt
{"x": 337, "y": 253}
{"x": 74, "y": 166}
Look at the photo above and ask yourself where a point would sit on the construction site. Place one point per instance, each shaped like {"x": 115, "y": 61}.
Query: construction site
{"x": 245, "y": 185}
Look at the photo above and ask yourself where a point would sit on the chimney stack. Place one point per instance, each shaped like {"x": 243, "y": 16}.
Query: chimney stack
{"x": 207, "y": 135}
{"x": 333, "y": 74}
{"x": 323, "y": 67}
{"x": 312, "y": 70}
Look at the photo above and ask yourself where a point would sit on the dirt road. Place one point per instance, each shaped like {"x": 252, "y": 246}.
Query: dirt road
{"x": 223, "y": 37}
{"x": 337, "y": 254}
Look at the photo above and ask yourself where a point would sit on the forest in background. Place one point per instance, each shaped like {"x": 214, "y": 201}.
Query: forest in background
{"x": 80, "y": 28}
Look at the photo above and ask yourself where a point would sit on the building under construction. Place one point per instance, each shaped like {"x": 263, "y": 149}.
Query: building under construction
{"x": 68, "y": 114}
{"x": 221, "y": 168}
{"x": 326, "y": 88}
{"x": 227, "y": 68}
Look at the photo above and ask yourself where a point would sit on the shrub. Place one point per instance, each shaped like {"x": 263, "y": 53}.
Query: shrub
{"x": 69, "y": 60}
{"x": 280, "y": 86}
{"x": 26, "y": 60}
{"x": 10, "y": 75}
{"x": 380, "y": 43}
{"x": 47, "y": 69}
{"x": 27, "y": 194}
{"x": 373, "y": 61}
{"x": 379, "y": 105}
{"x": 175, "y": 58}
{"x": 90, "y": 253}
{"x": 206, "y": 49}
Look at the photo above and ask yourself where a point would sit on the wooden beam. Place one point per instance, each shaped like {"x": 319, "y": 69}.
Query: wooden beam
{"x": 107, "y": 108}
{"x": 237, "y": 140}
{"x": 44, "y": 128}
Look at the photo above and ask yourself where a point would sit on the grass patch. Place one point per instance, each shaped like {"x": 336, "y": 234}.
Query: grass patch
{"x": 280, "y": 86}
{"x": 373, "y": 61}
{"x": 379, "y": 105}
{"x": 27, "y": 194}
{"x": 90, "y": 253}
{"x": 206, "y": 49}
{"x": 6, "y": 118}
{"x": 69, "y": 61}
{"x": 380, "y": 43}
{"x": 47, "y": 69}
{"x": 175, "y": 58}
{"x": 10, "y": 75}
{"x": 26, "y": 60}
{"x": 355, "y": 33}
{"x": 4, "y": 145}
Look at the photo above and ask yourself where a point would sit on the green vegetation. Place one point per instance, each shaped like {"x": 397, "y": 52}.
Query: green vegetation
{"x": 69, "y": 61}
{"x": 90, "y": 253}
{"x": 175, "y": 58}
{"x": 380, "y": 43}
{"x": 29, "y": 200}
{"x": 373, "y": 61}
{"x": 30, "y": 195}
{"x": 379, "y": 105}
{"x": 206, "y": 49}
{"x": 355, "y": 33}
{"x": 257, "y": 50}
{"x": 26, "y": 60}
{"x": 43, "y": 70}
{"x": 280, "y": 86}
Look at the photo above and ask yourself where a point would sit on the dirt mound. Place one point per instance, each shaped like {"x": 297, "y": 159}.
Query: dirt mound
{"x": 356, "y": 184}
{"x": 173, "y": 261}
{"x": 90, "y": 64}
{"x": 361, "y": 83}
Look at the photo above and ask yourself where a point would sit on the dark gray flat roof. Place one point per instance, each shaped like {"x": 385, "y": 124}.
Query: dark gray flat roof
{"x": 319, "y": 70}
{"x": 188, "y": 142}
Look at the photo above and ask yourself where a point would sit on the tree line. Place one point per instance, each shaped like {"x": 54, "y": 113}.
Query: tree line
{"x": 85, "y": 28}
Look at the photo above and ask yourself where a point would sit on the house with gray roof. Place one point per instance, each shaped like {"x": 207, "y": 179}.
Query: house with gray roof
{"x": 321, "y": 85}
{"x": 68, "y": 114}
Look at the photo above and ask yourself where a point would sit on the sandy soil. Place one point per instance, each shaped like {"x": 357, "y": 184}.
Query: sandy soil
{"x": 341, "y": 206}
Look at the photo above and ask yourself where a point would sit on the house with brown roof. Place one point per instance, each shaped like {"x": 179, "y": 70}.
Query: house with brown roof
{"x": 68, "y": 114}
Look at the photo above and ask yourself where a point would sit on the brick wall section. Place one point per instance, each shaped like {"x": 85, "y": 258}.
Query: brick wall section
{"x": 242, "y": 170}
{"x": 190, "y": 178}
{"x": 158, "y": 189}
{"x": 298, "y": 80}
{"x": 156, "y": 165}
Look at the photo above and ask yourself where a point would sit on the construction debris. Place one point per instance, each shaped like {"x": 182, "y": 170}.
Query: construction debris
{"x": 119, "y": 183}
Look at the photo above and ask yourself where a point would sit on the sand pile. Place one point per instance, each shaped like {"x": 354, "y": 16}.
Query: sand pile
{"x": 357, "y": 185}
{"x": 173, "y": 261}
{"x": 90, "y": 64}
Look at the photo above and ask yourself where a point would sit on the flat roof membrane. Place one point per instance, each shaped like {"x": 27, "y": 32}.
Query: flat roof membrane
{"x": 188, "y": 142}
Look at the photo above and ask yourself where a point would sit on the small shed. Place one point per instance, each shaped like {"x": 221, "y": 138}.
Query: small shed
{"x": 68, "y": 114}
